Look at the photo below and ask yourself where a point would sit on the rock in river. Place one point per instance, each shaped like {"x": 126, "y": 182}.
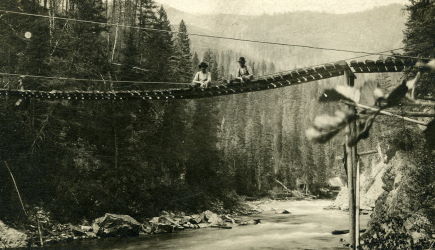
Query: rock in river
{"x": 196, "y": 218}
{"x": 11, "y": 238}
{"x": 212, "y": 218}
{"x": 164, "y": 224}
{"x": 282, "y": 211}
{"x": 114, "y": 225}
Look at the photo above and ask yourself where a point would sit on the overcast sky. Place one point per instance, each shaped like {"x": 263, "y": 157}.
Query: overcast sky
{"x": 258, "y": 7}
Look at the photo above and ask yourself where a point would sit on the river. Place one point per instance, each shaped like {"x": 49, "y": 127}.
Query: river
{"x": 309, "y": 226}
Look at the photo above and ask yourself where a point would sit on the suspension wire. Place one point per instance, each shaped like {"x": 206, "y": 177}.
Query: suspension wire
{"x": 205, "y": 35}
{"x": 88, "y": 80}
{"x": 167, "y": 82}
{"x": 346, "y": 59}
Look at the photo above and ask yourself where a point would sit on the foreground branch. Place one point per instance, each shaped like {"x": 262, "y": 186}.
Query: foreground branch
{"x": 386, "y": 113}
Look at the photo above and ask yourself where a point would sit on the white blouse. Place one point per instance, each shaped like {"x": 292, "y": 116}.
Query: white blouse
{"x": 202, "y": 77}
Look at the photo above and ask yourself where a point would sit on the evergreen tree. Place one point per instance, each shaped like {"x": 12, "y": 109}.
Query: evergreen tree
{"x": 147, "y": 15}
{"x": 195, "y": 62}
{"x": 162, "y": 47}
{"x": 205, "y": 172}
{"x": 414, "y": 193}
{"x": 183, "y": 67}
{"x": 222, "y": 72}
{"x": 170, "y": 149}
{"x": 271, "y": 68}
{"x": 87, "y": 53}
{"x": 419, "y": 40}
{"x": 210, "y": 59}
{"x": 254, "y": 68}
{"x": 263, "y": 68}
{"x": 20, "y": 54}
{"x": 146, "y": 40}
{"x": 129, "y": 58}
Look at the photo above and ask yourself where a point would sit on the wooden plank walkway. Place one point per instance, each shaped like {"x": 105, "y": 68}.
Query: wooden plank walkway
{"x": 273, "y": 81}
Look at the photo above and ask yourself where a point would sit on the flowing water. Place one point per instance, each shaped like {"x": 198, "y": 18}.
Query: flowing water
{"x": 309, "y": 226}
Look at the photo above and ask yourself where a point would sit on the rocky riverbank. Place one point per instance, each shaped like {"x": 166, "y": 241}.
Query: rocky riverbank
{"x": 115, "y": 225}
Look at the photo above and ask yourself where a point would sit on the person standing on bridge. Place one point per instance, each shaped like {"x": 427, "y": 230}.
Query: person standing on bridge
{"x": 203, "y": 77}
{"x": 244, "y": 73}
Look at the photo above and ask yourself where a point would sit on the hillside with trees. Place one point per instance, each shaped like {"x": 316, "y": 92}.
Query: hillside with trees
{"x": 79, "y": 160}
{"x": 365, "y": 31}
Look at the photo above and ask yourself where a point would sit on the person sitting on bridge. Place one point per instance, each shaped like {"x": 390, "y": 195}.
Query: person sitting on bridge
{"x": 244, "y": 72}
{"x": 203, "y": 77}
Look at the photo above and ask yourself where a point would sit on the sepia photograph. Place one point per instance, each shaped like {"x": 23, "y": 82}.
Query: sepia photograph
{"x": 217, "y": 124}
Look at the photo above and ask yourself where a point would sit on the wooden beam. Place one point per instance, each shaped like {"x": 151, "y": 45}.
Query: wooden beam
{"x": 352, "y": 173}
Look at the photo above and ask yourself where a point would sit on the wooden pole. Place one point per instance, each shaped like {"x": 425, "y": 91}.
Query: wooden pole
{"x": 352, "y": 173}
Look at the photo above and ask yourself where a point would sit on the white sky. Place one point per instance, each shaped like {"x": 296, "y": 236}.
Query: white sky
{"x": 258, "y": 7}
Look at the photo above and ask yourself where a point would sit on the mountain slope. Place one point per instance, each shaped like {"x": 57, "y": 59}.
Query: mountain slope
{"x": 373, "y": 30}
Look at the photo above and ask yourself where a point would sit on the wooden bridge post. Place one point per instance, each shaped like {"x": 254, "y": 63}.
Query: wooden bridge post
{"x": 352, "y": 174}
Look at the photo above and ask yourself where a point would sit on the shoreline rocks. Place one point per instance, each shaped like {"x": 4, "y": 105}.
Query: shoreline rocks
{"x": 371, "y": 188}
{"x": 169, "y": 222}
{"x": 12, "y": 238}
{"x": 116, "y": 225}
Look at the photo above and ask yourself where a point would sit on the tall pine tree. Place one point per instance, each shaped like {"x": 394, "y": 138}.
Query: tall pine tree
{"x": 213, "y": 67}
{"x": 195, "y": 61}
{"x": 146, "y": 40}
{"x": 419, "y": 39}
{"x": 183, "y": 57}
{"x": 162, "y": 47}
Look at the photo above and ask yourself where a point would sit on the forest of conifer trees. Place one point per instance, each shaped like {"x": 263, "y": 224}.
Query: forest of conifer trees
{"x": 79, "y": 160}
{"x": 127, "y": 157}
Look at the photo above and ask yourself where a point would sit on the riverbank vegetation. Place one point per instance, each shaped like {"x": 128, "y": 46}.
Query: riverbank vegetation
{"x": 404, "y": 216}
{"x": 81, "y": 160}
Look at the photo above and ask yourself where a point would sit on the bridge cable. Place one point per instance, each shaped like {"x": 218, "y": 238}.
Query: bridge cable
{"x": 321, "y": 64}
{"x": 89, "y": 80}
{"x": 207, "y": 36}
{"x": 163, "y": 82}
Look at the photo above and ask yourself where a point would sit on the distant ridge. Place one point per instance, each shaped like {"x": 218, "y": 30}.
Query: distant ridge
{"x": 372, "y": 30}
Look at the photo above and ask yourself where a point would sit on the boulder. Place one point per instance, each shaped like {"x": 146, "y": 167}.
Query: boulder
{"x": 163, "y": 228}
{"x": 147, "y": 228}
{"x": 224, "y": 226}
{"x": 188, "y": 225}
{"x": 184, "y": 219}
{"x": 250, "y": 222}
{"x": 165, "y": 224}
{"x": 114, "y": 225}
{"x": 228, "y": 219}
{"x": 212, "y": 218}
{"x": 282, "y": 211}
{"x": 196, "y": 218}
{"x": 86, "y": 228}
{"x": 77, "y": 231}
{"x": 371, "y": 188}
{"x": 203, "y": 225}
{"x": 167, "y": 220}
{"x": 11, "y": 238}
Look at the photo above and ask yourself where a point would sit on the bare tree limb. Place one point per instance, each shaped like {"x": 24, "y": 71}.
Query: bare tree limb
{"x": 386, "y": 113}
{"x": 285, "y": 188}
{"x": 16, "y": 187}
